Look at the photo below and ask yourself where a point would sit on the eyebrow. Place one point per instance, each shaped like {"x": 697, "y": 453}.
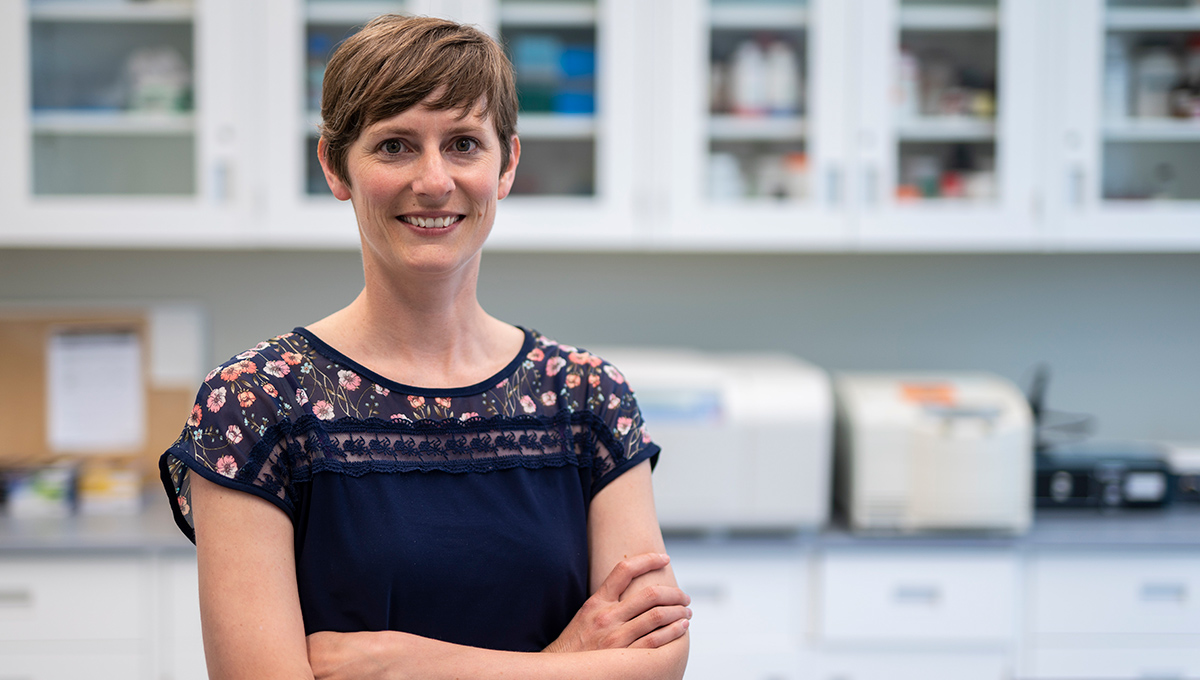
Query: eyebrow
{"x": 402, "y": 131}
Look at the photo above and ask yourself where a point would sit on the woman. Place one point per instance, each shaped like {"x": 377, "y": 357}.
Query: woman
{"x": 411, "y": 487}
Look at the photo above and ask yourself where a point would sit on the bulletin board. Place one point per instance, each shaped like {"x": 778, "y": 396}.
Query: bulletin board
{"x": 25, "y": 335}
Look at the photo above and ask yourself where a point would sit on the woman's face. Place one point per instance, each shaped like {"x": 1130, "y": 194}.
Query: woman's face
{"x": 424, "y": 184}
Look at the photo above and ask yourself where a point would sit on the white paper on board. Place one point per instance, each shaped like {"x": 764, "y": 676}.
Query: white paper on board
{"x": 96, "y": 392}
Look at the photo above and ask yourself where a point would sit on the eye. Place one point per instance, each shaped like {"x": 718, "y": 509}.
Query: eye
{"x": 392, "y": 146}
{"x": 465, "y": 145}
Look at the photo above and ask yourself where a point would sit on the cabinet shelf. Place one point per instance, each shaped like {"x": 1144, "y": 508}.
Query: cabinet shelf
{"x": 742, "y": 128}
{"x": 950, "y": 18}
{"x": 339, "y": 13}
{"x": 71, "y": 122}
{"x": 543, "y": 14}
{"x": 946, "y": 129}
{"x": 124, "y": 12}
{"x": 1154, "y": 19}
{"x": 551, "y": 126}
{"x": 774, "y": 17}
{"x": 1165, "y": 130}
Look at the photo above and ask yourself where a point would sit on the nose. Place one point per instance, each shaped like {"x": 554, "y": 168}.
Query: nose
{"x": 433, "y": 178}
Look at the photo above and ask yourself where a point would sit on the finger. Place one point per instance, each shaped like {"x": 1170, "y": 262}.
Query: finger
{"x": 628, "y": 569}
{"x": 650, "y": 597}
{"x": 661, "y": 636}
{"x": 653, "y": 619}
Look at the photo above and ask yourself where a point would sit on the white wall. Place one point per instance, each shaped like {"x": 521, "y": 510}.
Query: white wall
{"x": 1121, "y": 332}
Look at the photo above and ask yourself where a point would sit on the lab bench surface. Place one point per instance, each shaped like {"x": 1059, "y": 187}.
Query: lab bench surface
{"x": 154, "y": 530}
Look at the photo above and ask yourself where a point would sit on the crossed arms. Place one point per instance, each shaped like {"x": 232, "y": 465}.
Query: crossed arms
{"x": 634, "y": 625}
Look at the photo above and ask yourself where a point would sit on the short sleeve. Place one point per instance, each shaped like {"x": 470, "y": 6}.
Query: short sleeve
{"x": 622, "y": 438}
{"x": 234, "y": 433}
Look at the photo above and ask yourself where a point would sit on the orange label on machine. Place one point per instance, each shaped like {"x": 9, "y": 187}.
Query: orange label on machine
{"x": 940, "y": 394}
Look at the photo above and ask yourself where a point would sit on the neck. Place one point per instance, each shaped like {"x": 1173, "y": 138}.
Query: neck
{"x": 422, "y": 331}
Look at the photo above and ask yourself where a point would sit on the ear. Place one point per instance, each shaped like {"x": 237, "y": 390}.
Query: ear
{"x": 510, "y": 173}
{"x": 340, "y": 189}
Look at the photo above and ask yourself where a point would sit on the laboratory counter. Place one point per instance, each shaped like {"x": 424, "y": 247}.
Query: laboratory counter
{"x": 153, "y": 530}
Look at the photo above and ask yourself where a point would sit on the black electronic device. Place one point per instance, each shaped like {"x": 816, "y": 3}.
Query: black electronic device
{"x": 1101, "y": 478}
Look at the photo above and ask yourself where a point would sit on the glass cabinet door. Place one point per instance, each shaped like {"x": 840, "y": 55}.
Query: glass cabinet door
{"x": 573, "y": 61}
{"x": 1127, "y": 140}
{"x": 116, "y": 113}
{"x": 758, "y": 153}
{"x": 946, "y": 110}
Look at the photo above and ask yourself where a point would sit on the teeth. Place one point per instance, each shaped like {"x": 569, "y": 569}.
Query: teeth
{"x": 430, "y": 223}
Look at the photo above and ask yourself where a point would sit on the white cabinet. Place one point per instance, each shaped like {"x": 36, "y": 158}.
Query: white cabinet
{"x": 1120, "y": 171}
{"x": 90, "y": 617}
{"x": 750, "y": 161}
{"x": 1106, "y": 615}
{"x": 110, "y": 618}
{"x": 944, "y": 110}
{"x": 749, "y": 611}
{"x": 681, "y": 124}
{"x": 875, "y": 665}
{"x": 123, "y": 123}
{"x": 915, "y": 596}
{"x": 181, "y": 644}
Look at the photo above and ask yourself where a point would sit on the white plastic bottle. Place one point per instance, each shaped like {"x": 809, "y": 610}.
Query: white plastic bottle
{"x": 908, "y": 85}
{"x": 1157, "y": 72}
{"x": 748, "y": 80}
{"x": 783, "y": 84}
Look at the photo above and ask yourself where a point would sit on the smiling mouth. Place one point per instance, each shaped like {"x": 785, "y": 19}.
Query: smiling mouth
{"x": 432, "y": 222}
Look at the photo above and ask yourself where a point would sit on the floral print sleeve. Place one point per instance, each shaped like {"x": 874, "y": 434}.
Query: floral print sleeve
{"x": 238, "y": 410}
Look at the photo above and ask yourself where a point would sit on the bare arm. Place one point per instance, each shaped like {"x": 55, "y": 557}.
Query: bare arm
{"x": 249, "y": 603}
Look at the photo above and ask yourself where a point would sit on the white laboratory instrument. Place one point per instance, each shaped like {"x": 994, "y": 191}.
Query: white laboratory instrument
{"x": 934, "y": 451}
{"x": 746, "y": 438}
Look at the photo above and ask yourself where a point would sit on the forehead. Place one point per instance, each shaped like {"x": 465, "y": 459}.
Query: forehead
{"x": 426, "y": 115}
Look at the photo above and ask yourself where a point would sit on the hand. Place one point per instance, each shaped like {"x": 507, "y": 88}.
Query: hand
{"x": 614, "y": 619}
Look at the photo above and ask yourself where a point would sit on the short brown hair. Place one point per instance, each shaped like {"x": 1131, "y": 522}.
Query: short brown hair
{"x": 395, "y": 62}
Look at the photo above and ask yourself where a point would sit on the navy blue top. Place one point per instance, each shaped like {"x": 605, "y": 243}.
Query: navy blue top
{"x": 455, "y": 514}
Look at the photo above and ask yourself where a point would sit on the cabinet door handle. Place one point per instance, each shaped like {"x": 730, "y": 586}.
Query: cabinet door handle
{"x": 1076, "y": 183}
{"x": 928, "y": 595}
{"x": 871, "y": 186}
{"x": 1164, "y": 592}
{"x": 833, "y": 186}
{"x": 711, "y": 592}
{"x": 16, "y": 599}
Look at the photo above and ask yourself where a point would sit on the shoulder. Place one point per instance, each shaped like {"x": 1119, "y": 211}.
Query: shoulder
{"x": 264, "y": 374}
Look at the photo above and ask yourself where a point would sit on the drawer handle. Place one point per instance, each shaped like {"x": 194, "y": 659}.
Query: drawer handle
{"x": 917, "y": 595}
{"x": 1164, "y": 592}
{"x": 16, "y": 599}
{"x": 710, "y": 592}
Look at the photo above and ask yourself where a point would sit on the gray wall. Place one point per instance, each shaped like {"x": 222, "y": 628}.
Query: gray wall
{"x": 1120, "y": 332}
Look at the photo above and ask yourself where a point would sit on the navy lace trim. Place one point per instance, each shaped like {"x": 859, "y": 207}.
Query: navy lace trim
{"x": 290, "y": 452}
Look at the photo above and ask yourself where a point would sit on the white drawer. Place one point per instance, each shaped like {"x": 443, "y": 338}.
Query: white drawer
{"x": 1112, "y": 593}
{"x": 74, "y": 599}
{"x": 705, "y": 665}
{"x": 71, "y": 666}
{"x": 1123, "y": 664}
{"x": 181, "y": 638}
{"x": 744, "y": 603}
{"x": 910, "y": 666}
{"x": 895, "y": 595}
